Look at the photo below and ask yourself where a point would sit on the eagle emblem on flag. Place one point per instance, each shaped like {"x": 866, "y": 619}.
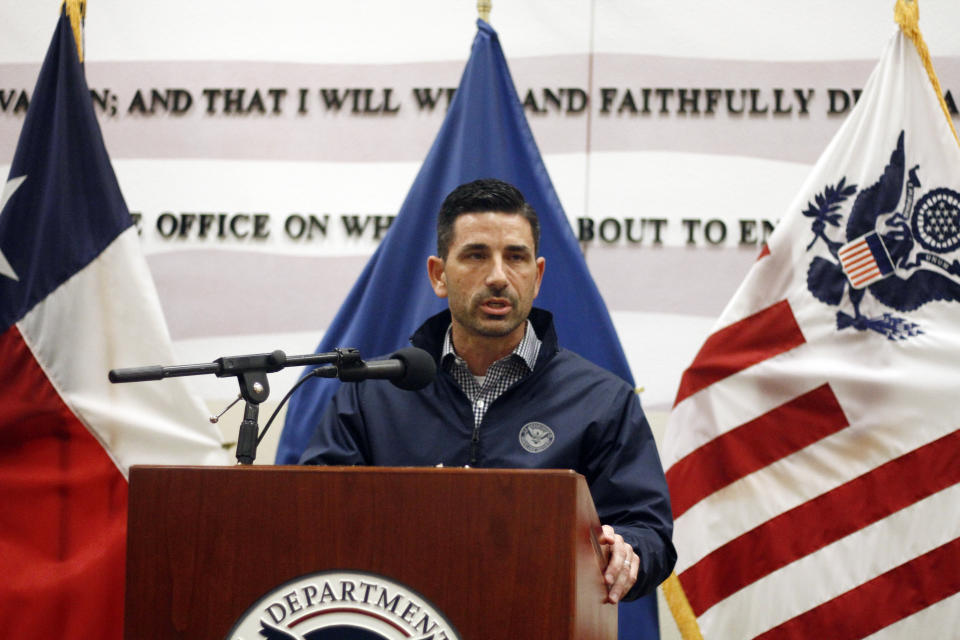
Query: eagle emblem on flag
{"x": 904, "y": 253}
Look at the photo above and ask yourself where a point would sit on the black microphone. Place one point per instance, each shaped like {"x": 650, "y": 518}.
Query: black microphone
{"x": 409, "y": 368}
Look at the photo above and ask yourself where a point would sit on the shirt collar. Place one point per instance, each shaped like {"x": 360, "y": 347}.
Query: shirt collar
{"x": 527, "y": 350}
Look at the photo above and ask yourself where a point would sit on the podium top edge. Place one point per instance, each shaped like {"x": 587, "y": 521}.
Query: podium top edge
{"x": 139, "y": 468}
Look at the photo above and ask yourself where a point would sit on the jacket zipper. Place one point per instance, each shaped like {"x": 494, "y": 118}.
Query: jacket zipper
{"x": 474, "y": 445}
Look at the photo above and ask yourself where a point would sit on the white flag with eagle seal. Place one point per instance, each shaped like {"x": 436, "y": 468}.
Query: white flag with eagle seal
{"x": 813, "y": 452}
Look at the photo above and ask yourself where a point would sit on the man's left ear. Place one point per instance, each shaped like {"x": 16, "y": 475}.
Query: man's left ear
{"x": 541, "y": 265}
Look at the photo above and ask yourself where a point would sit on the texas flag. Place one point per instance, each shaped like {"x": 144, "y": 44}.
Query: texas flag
{"x": 813, "y": 453}
{"x": 76, "y": 299}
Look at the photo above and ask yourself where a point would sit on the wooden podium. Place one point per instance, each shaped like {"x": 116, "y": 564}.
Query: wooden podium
{"x": 501, "y": 553}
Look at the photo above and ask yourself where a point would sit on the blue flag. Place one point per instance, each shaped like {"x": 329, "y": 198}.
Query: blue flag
{"x": 484, "y": 135}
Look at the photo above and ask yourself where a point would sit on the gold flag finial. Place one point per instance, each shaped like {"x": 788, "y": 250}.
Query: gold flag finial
{"x": 483, "y": 8}
{"x": 907, "y": 15}
{"x": 76, "y": 10}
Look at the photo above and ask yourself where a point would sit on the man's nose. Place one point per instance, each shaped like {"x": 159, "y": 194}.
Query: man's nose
{"x": 496, "y": 277}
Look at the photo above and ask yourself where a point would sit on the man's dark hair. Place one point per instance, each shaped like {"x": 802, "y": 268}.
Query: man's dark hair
{"x": 481, "y": 196}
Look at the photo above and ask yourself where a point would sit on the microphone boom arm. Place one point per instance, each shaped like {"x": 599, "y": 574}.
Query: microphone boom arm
{"x": 251, "y": 373}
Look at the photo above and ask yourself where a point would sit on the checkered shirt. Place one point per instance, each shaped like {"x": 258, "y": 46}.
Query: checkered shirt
{"x": 501, "y": 374}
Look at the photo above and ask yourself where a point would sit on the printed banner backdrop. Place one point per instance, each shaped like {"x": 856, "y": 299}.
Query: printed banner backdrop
{"x": 76, "y": 300}
{"x": 812, "y": 453}
{"x": 674, "y": 134}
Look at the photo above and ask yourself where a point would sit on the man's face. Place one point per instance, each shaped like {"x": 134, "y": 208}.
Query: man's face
{"x": 490, "y": 275}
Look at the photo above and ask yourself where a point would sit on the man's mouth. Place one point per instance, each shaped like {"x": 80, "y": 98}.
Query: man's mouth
{"x": 496, "y": 306}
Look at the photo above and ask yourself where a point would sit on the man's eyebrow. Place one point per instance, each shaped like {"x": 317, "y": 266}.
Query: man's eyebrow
{"x": 519, "y": 248}
{"x": 473, "y": 246}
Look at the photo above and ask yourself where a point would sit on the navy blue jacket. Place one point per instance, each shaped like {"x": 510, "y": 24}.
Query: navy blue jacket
{"x": 599, "y": 431}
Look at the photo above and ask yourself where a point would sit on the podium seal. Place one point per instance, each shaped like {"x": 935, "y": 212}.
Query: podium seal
{"x": 342, "y": 605}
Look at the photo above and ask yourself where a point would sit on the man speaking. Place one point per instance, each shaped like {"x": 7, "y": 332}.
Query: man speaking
{"x": 507, "y": 395}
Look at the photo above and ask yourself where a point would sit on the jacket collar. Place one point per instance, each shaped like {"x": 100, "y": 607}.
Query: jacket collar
{"x": 430, "y": 334}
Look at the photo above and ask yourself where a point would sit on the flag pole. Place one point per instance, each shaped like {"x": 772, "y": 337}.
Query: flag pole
{"x": 683, "y": 614}
{"x": 483, "y": 9}
{"x": 76, "y": 11}
{"x": 907, "y": 14}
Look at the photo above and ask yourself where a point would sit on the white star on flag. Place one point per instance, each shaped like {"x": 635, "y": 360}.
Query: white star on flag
{"x": 8, "y": 190}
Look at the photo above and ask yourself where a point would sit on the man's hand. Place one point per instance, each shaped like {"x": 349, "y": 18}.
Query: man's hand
{"x": 622, "y": 564}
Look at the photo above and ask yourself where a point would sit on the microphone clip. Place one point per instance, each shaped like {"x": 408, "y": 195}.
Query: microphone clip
{"x": 343, "y": 363}
{"x": 350, "y": 368}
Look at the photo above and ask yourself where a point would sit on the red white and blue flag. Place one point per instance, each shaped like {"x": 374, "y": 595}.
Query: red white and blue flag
{"x": 76, "y": 299}
{"x": 813, "y": 453}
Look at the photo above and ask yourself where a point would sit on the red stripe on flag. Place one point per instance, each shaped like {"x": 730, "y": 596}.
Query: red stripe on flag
{"x": 752, "y": 446}
{"x": 892, "y": 596}
{"x": 855, "y": 270}
{"x": 863, "y": 252}
{"x": 865, "y": 280}
{"x": 62, "y": 550}
{"x": 756, "y": 338}
{"x": 821, "y": 521}
{"x": 859, "y": 249}
{"x": 851, "y": 248}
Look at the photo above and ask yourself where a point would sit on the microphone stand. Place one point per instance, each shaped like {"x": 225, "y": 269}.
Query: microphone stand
{"x": 251, "y": 374}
